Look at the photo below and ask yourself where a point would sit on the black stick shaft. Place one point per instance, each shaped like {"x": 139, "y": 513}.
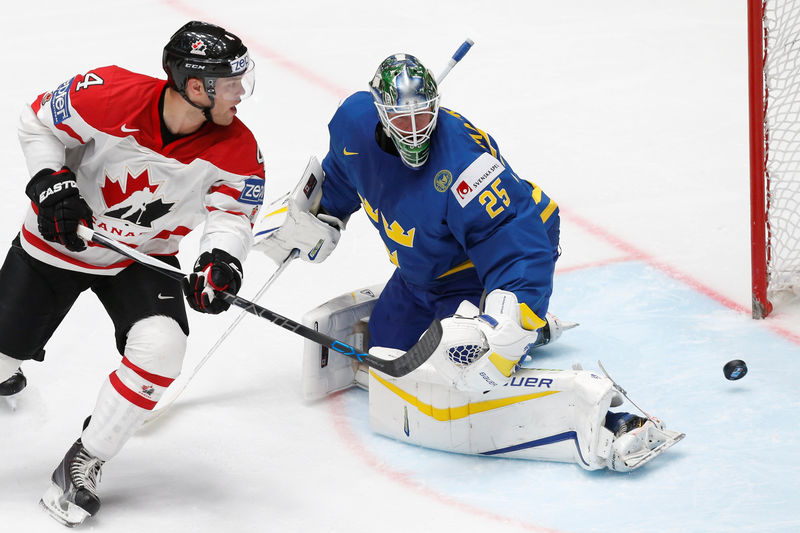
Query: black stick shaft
{"x": 400, "y": 366}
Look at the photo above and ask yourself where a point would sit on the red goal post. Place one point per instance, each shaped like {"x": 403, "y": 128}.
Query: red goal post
{"x": 774, "y": 82}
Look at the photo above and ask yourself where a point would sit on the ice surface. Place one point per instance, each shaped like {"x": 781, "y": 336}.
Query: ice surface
{"x": 632, "y": 115}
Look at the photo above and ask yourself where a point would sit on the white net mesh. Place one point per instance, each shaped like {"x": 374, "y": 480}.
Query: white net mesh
{"x": 782, "y": 129}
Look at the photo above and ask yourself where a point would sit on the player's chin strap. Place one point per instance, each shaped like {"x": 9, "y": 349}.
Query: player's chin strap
{"x": 400, "y": 366}
{"x": 205, "y": 109}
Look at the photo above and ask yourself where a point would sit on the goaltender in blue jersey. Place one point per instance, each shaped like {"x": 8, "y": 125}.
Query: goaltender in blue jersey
{"x": 457, "y": 221}
{"x": 475, "y": 246}
{"x": 456, "y": 224}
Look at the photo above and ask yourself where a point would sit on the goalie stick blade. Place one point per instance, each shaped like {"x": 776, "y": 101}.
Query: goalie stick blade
{"x": 413, "y": 358}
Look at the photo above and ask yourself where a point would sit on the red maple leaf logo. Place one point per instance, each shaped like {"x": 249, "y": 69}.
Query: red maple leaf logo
{"x": 113, "y": 192}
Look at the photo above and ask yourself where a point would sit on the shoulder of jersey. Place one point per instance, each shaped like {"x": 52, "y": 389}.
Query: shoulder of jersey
{"x": 356, "y": 107}
{"x": 234, "y": 149}
{"x": 106, "y": 93}
{"x": 111, "y": 98}
{"x": 120, "y": 99}
{"x": 455, "y": 141}
{"x": 353, "y": 123}
{"x": 453, "y": 122}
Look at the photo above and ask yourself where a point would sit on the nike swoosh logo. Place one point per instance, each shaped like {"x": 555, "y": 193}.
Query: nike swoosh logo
{"x": 126, "y": 129}
{"x": 162, "y": 297}
{"x": 348, "y": 153}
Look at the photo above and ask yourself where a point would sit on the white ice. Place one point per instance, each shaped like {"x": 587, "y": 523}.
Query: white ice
{"x": 631, "y": 114}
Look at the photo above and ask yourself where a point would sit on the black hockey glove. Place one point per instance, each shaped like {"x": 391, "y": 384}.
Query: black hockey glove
{"x": 216, "y": 270}
{"x": 59, "y": 206}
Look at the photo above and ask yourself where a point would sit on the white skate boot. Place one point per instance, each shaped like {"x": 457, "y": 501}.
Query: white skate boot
{"x": 638, "y": 440}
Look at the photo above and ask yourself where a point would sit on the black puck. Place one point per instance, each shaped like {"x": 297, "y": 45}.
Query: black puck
{"x": 735, "y": 369}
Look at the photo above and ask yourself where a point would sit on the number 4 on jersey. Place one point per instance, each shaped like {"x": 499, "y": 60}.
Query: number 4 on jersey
{"x": 88, "y": 80}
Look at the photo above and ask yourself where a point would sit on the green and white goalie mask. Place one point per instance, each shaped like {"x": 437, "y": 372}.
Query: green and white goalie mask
{"x": 407, "y": 100}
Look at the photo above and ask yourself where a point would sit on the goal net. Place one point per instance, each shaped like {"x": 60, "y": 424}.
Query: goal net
{"x": 774, "y": 68}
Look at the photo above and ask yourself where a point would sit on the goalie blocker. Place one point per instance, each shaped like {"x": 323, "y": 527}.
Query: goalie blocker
{"x": 555, "y": 415}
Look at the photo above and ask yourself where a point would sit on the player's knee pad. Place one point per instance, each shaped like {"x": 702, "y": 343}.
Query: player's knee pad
{"x": 157, "y": 344}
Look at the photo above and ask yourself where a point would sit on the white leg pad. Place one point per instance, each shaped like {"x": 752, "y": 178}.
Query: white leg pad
{"x": 326, "y": 371}
{"x": 153, "y": 356}
{"x": 554, "y": 415}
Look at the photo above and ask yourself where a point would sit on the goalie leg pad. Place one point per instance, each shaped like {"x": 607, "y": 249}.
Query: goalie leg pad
{"x": 326, "y": 371}
{"x": 538, "y": 414}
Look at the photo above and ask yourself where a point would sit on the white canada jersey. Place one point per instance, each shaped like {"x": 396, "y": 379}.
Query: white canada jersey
{"x": 141, "y": 192}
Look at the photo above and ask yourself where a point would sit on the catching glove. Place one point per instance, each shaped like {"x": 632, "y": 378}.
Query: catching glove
{"x": 60, "y": 207}
{"x": 216, "y": 270}
{"x": 314, "y": 235}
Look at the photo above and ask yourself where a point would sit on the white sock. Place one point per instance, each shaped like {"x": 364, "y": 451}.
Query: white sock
{"x": 8, "y": 365}
{"x": 114, "y": 421}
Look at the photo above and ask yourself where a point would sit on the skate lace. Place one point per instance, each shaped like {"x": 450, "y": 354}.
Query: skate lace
{"x": 84, "y": 470}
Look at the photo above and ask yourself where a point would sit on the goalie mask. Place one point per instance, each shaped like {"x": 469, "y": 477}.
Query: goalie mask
{"x": 209, "y": 53}
{"x": 407, "y": 99}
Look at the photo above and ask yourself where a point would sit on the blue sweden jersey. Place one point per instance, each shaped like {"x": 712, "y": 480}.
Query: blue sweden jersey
{"x": 464, "y": 210}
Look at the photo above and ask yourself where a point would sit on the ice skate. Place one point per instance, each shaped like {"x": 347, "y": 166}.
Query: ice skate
{"x": 637, "y": 440}
{"x": 11, "y": 387}
{"x": 71, "y": 497}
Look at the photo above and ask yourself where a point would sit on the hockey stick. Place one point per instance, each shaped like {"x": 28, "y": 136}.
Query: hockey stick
{"x": 458, "y": 56}
{"x": 400, "y": 366}
{"x": 158, "y": 412}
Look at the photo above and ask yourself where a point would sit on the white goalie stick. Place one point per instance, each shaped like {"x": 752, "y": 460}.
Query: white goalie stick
{"x": 162, "y": 406}
{"x": 400, "y": 366}
{"x": 458, "y": 56}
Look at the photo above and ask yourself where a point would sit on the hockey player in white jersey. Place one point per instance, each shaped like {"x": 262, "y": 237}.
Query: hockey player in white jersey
{"x": 145, "y": 161}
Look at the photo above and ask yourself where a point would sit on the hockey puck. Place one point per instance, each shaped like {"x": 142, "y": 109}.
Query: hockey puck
{"x": 734, "y": 370}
